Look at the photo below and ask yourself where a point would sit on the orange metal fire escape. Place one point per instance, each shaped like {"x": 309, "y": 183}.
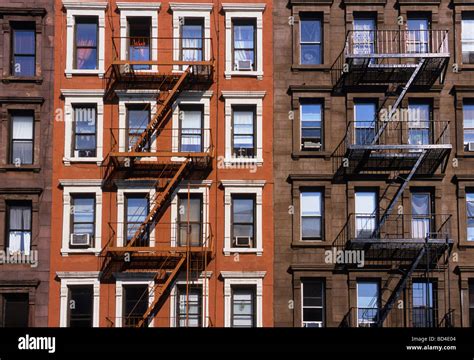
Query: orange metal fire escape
{"x": 165, "y": 167}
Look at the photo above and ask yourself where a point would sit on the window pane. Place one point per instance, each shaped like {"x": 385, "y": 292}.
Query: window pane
{"x": 24, "y": 65}
{"x": 24, "y": 42}
{"x": 311, "y": 203}
{"x": 81, "y": 314}
{"x": 86, "y": 44}
{"x": 420, "y": 204}
{"x": 243, "y": 210}
{"x": 16, "y": 310}
{"x": 22, "y": 127}
{"x": 20, "y": 217}
{"x": 310, "y": 30}
{"x": 243, "y": 36}
{"x": 137, "y": 209}
{"x": 367, "y": 294}
{"x": 83, "y": 210}
{"x": 22, "y": 152}
{"x": 468, "y": 115}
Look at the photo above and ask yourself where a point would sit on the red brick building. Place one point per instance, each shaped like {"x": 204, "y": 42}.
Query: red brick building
{"x": 162, "y": 170}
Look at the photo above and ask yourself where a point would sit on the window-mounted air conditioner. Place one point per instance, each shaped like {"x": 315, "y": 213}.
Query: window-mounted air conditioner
{"x": 470, "y": 146}
{"x": 243, "y": 65}
{"x": 78, "y": 239}
{"x": 313, "y": 324}
{"x": 311, "y": 145}
{"x": 242, "y": 241}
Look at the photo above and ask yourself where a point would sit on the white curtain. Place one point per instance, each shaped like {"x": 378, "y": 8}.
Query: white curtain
{"x": 243, "y": 128}
{"x": 191, "y": 130}
{"x": 243, "y": 39}
{"x": 364, "y": 36}
{"x": 20, "y": 236}
{"x": 311, "y": 203}
{"x": 420, "y": 224}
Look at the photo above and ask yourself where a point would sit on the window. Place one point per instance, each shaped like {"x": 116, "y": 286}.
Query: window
{"x": 135, "y": 304}
{"x": 365, "y": 113}
{"x": 80, "y": 306}
{"x": 311, "y": 215}
{"x": 137, "y": 209}
{"x": 189, "y": 220}
{"x": 365, "y": 213}
{"x": 470, "y": 215}
{"x": 85, "y": 131}
{"x": 86, "y": 43}
{"x": 311, "y": 33}
{"x": 419, "y": 123}
{"x": 244, "y": 44}
{"x": 424, "y": 301}
{"x": 15, "y": 310}
{"x": 19, "y": 227}
{"x": 418, "y": 36}
{"x": 421, "y": 223}
{"x": 468, "y": 123}
{"x": 471, "y": 302}
{"x": 22, "y": 135}
{"x": 23, "y": 49}
{"x": 364, "y": 34}
{"x": 83, "y": 216}
{"x": 243, "y": 307}
{"x": 138, "y": 117}
{"x": 190, "y": 129}
{"x": 189, "y": 306}
{"x": 467, "y": 38}
{"x": 311, "y": 125}
{"x": 243, "y": 132}
{"x": 243, "y": 221}
{"x": 139, "y": 29}
{"x": 312, "y": 313}
{"x": 368, "y": 302}
{"x": 192, "y": 39}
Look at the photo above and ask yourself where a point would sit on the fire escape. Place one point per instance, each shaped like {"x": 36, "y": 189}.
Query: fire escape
{"x": 155, "y": 155}
{"x": 395, "y": 62}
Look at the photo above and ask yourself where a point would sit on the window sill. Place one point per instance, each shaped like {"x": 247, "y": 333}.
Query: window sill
{"x": 11, "y": 167}
{"x": 88, "y": 251}
{"x": 69, "y": 73}
{"x": 242, "y": 161}
{"x": 310, "y": 154}
{"x": 25, "y": 79}
{"x": 68, "y": 161}
{"x": 299, "y": 67}
{"x": 230, "y": 251}
{"x": 466, "y": 67}
{"x": 309, "y": 244}
{"x": 258, "y": 74}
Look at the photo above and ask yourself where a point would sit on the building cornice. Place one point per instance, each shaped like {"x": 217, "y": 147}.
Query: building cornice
{"x": 22, "y": 11}
{"x": 78, "y": 274}
{"x": 310, "y": 177}
{"x": 243, "y": 183}
{"x": 419, "y": 2}
{"x": 138, "y": 6}
{"x": 243, "y": 94}
{"x": 311, "y": 2}
{"x": 82, "y": 92}
{"x": 243, "y": 274}
{"x": 243, "y": 7}
{"x": 364, "y": 2}
{"x": 310, "y": 267}
{"x": 93, "y": 5}
{"x": 21, "y": 99}
{"x": 191, "y": 6}
{"x": 80, "y": 182}
{"x": 309, "y": 88}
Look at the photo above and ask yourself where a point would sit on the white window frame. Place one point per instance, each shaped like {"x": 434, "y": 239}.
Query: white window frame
{"x": 202, "y": 189}
{"x": 77, "y": 8}
{"x": 191, "y": 10}
{"x": 248, "y": 11}
{"x": 124, "y": 280}
{"x": 192, "y": 98}
{"x": 72, "y": 97}
{"x": 243, "y": 278}
{"x": 469, "y": 196}
{"x": 136, "y": 9}
{"x": 323, "y": 307}
{"x": 235, "y": 187}
{"x": 71, "y": 188}
{"x": 239, "y": 98}
{"x": 122, "y": 191}
{"x": 78, "y": 278}
{"x": 130, "y": 97}
{"x": 203, "y": 281}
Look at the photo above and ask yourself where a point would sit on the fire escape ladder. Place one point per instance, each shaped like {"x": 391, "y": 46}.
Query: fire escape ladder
{"x": 161, "y": 113}
{"x": 399, "y": 100}
{"x": 399, "y": 192}
{"x": 159, "y": 290}
{"x": 159, "y": 202}
{"x": 399, "y": 287}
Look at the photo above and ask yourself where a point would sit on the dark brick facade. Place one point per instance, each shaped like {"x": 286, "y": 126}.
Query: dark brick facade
{"x": 30, "y": 183}
{"x": 295, "y": 169}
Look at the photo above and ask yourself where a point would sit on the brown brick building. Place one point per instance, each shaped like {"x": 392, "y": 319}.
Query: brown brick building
{"x": 26, "y": 87}
{"x": 373, "y": 205}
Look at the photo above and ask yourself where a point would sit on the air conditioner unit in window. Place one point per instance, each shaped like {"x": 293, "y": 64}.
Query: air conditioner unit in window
{"x": 313, "y": 324}
{"x": 80, "y": 240}
{"x": 310, "y": 145}
{"x": 470, "y": 146}
{"x": 242, "y": 241}
{"x": 243, "y": 65}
